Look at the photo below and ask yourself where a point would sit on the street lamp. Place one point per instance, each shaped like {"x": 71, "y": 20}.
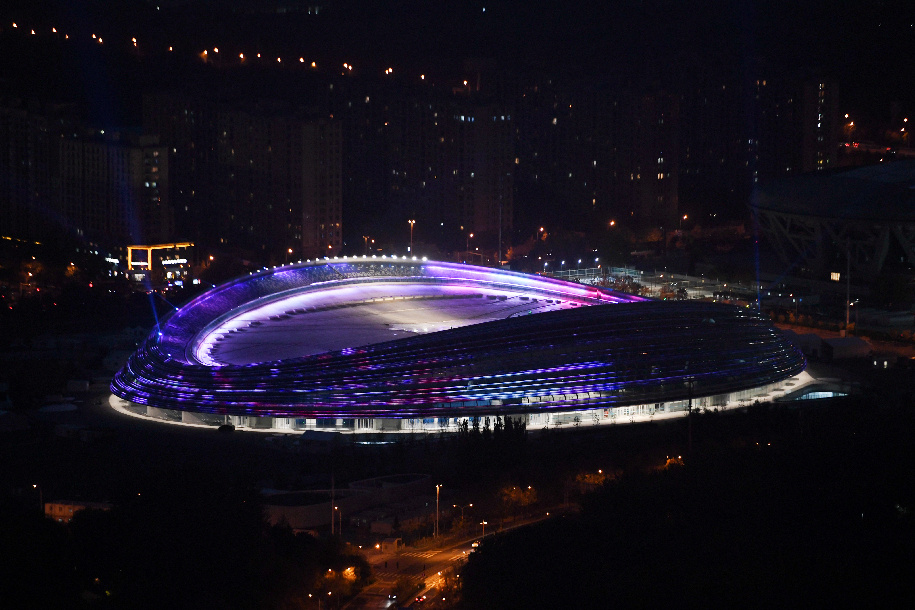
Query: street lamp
{"x": 469, "y": 237}
{"x": 437, "y": 489}
{"x": 483, "y": 523}
{"x": 40, "y": 496}
{"x": 681, "y": 221}
{"x": 462, "y": 507}
{"x": 412, "y": 222}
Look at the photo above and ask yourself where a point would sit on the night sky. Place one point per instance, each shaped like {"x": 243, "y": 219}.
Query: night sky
{"x": 864, "y": 45}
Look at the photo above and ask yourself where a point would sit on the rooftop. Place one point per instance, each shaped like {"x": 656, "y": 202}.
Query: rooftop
{"x": 884, "y": 192}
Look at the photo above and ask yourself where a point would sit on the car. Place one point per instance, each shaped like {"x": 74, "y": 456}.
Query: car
{"x": 420, "y": 600}
{"x": 475, "y": 543}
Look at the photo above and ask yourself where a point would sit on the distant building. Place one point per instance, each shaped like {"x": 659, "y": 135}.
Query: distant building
{"x": 264, "y": 182}
{"x": 823, "y": 224}
{"x": 445, "y": 160}
{"x": 57, "y": 174}
{"x": 113, "y": 189}
{"x": 63, "y": 511}
{"x": 26, "y": 193}
{"x": 586, "y": 157}
{"x": 736, "y": 137}
{"x": 820, "y": 126}
{"x": 162, "y": 264}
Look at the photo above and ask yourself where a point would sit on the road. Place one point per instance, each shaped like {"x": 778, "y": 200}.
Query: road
{"x": 427, "y": 564}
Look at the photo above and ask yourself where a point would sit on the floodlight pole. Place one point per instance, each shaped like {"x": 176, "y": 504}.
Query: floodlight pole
{"x": 847, "y": 283}
{"x": 437, "y": 489}
{"x": 500, "y": 222}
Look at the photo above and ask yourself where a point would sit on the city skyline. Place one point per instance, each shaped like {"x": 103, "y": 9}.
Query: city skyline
{"x": 574, "y": 152}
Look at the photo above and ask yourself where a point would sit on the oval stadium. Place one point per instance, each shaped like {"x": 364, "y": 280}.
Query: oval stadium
{"x": 392, "y": 344}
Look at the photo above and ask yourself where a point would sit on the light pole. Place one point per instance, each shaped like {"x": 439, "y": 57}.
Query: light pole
{"x": 681, "y": 222}
{"x": 412, "y": 222}
{"x": 365, "y": 251}
{"x": 847, "y": 282}
{"x": 462, "y": 507}
{"x": 40, "y": 497}
{"x": 437, "y": 489}
{"x": 483, "y": 523}
{"x": 500, "y": 222}
{"x": 469, "y": 237}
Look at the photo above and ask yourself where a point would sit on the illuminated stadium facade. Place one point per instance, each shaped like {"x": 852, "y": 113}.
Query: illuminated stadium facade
{"x": 393, "y": 345}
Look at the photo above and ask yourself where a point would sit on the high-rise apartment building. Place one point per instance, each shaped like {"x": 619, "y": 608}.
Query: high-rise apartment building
{"x": 589, "y": 156}
{"x": 820, "y": 126}
{"x": 262, "y": 182}
{"x": 444, "y": 160}
{"x": 58, "y": 175}
{"x": 26, "y": 193}
{"x": 735, "y": 137}
{"x": 112, "y": 189}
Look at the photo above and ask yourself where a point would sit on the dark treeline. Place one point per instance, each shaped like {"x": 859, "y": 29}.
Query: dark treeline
{"x": 817, "y": 510}
{"x": 189, "y": 541}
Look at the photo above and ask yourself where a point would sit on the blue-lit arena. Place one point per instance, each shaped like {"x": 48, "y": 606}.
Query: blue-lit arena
{"x": 390, "y": 344}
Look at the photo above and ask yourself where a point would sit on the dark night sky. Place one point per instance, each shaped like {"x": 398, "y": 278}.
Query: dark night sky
{"x": 865, "y": 45}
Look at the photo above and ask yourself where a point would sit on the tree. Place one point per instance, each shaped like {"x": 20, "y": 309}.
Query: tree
{"x": 515, "y": 498}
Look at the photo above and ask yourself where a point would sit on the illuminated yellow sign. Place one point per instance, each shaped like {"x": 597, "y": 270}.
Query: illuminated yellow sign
{"x": 149, "y": 250}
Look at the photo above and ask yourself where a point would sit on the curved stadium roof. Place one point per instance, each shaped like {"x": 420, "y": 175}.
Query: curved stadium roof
{"x": 877, "y": 193}
{"x": 563, "y": 346}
